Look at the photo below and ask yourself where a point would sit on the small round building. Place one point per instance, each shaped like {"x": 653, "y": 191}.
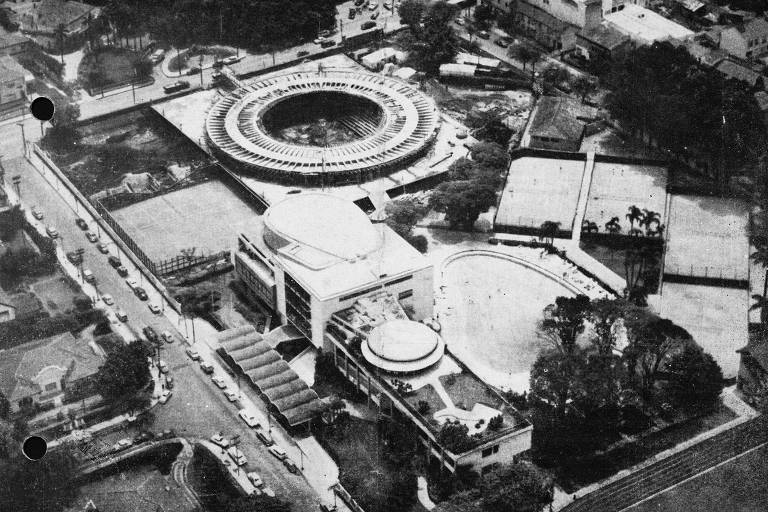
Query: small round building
{"x": 323, "y": 128}
{"x": 403, "y": 347}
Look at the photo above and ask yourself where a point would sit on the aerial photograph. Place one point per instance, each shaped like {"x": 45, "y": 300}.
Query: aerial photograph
{"x": 384, "y": 255}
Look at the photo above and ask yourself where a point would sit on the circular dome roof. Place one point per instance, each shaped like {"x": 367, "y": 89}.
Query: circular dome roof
{"x": 403, "y": 346}
{"x": 321, "y": 222}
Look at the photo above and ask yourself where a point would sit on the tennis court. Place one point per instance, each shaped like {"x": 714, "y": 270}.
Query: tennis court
{"x": 615, "y": 187}
{"x": 208, "y": 217}
{"x": 708, "y": 238}
{"x": 539, "y": 190}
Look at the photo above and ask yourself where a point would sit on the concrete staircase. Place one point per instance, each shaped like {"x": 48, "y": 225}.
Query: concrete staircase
{"x": 677, "y": 468}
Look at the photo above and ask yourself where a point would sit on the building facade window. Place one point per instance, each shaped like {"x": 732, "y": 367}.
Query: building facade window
{"x": 298, "y": 306}
{"x": 490, "y": 451}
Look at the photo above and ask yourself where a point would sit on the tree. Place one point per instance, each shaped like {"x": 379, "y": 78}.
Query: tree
{"x": 63, "y": 132}
{"x": 124, "y": 372}
{"x": 60, "y": 32}
{"x": 518, "y": 487}
{"x": 47, "y": 485}
{"x": 261, "y": 502}
{"x": 465, "y": 501}
{"x": 455, "y": 437}
{"x": 490, "y": 155}
{"x": 484, "y": 16}
{"x": 525, "y": 54}
{"x": 564, "y": 322}
{"x": 552, "y": 77}
{"x": 435, "y": 43}
{"x": 411, "y": 12}
{"x": 696, "y": 379}
{"x": 462, "y": 201}
{"x": 584, "y": 86}
{"x": 548, "y": 231}
{"x": 641, "y": 262}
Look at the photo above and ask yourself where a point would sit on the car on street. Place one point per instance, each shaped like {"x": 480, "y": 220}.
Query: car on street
{"x": 373, "y": 5}
{"x": 114, "y": 261}
{"x": 88, "y": 276}
{"x": 91, "y": 236}
{"x": 154, "y": 308}
{"x": 157, "y": 56}
{"x": 193, "y": 354}
{"x": 74, "y": 258}
{"x": 194, "y": 70}
{"x": 121, "y": 315}
{"x": 81, "y": 224}
{"x": 217, "y": 75}
{"x": 328, "y": 43}
{"x": 166, "y": 434}
{"x": 176, "y": 87}
{"x": 319, "y": 40}
{"x": 122, "y": 444}
{"x": 237, "y": 456}
{"x": 108, "y": 300}
{"x": 143, "y": 437}
{"x": 264, "y": 437}
{"x": 278, "y": 452}
{"x": 219, "y": 440}
{"x": 231, "y": 60}
{"x": 302, "y": 53}
{"x": 388, "y": 5}
{"x": 358, "y": 3}
{"x": 38, "y": 214}
{"x": 368, "y": 25}
{"x": 249, "y": 418}
{"x": 291, "y": 466}
{"x": 163, "y": 366}
{"x": 165, "y": 396}
{"x": 167, "y": 337}
{"x": 503, "y": 43}
{"x": 52, "y": 232}
{"x": 374, "y": 15}
{"x": 324, "y": 33}
{"x": 219, "y": 382}
{"x": 328, "y": 507}
{"x": 141, "y": 293}
{"x": 231, "y": 395}
{"x": 150, "y": 334}
{"x": 206, "y": 367}
{"x": 255, "y": 479}
{"x": 483, "y": 34}
{"x": 132, "y": 283}
{"x": 169, "y": 381}
{"x": 122, "y": 271}
{"x": 103, "y": 248}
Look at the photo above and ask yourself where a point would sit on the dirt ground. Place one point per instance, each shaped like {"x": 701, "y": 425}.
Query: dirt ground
{"x": 514, "y": 107}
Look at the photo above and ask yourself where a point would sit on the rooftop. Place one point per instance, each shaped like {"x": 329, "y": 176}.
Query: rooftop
{"x": 48, "y": 14}
{"x": 562, "y": 118}
{"x": 9, "y": 67}
{"x": 8, "y": 39}
{"x": 644, "y": 25}
{"x": 403, "y": 346}
{"x": 754, "y": 28}
{"x": 736, "y": 71}
{"x": 331, "y": 247}
{"x": 604, "y": 35}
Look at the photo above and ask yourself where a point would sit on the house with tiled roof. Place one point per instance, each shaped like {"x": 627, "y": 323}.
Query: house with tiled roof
{"x": 746, "y": 40}
{"x": 44, "y": 373}
{"x": 558, "y": 123}
{"x": 43, "y": 21}
{"x": 12, "y": 43}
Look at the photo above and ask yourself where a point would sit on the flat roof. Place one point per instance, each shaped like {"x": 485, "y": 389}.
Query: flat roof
{"x": 645, "y": 25}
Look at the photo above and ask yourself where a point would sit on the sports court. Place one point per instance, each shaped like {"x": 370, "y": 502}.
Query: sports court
{"x": 208, "y": 217}
{"x": 616, "y": 186}
{"x": 707, "y": 237}
{"x": 539, "y": 190}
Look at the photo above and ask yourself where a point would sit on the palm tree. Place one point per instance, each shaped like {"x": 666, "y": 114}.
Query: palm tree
{"x": 548, "y": 231}
{"x": 613, "y": 226}
{"x": 761, "y": 303}
{"x": 633, "y": 215}
{"x": 60, "y": 31}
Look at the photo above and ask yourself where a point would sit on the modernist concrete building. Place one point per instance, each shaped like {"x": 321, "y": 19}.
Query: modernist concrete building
{"x": 314, "y": 254}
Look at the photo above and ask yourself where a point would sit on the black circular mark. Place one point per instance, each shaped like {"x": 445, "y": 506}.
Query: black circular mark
{"x": 34, "y": 447}
{"x": 42, "y": 108}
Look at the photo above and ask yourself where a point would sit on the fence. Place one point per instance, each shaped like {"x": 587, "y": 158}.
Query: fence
{"x": 182, "y": 262}
{"x": 714, "y": 276}
{"x": 132, "y": 245}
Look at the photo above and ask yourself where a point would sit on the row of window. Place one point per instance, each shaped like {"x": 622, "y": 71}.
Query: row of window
{"x": 490, "y": 451}
{"x": 374, "y": 288}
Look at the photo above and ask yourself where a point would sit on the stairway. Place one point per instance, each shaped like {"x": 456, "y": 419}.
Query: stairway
{"x": 665, "y": 473}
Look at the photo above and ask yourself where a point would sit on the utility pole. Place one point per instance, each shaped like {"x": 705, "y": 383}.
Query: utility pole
{"x": 23, "y": 139}
{"x": 133, "y": 87}
{"x": 16, "y": 183}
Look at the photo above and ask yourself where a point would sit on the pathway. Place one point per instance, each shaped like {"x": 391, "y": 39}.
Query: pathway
{"x": 422, "y": 493}
{"x": 581, "y": 206}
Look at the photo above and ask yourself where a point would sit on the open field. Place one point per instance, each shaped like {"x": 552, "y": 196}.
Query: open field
{"x": 539, "y": 190}
{"x": 207, "y": 217}
{"x": 115, "y": 64}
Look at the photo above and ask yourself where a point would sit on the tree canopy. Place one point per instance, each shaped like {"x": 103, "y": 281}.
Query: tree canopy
{"x": 124, "y": 372}
{"x": 462, "y": 201}
{"x": 43, "y": 486}
{"x": 433, "y": 41}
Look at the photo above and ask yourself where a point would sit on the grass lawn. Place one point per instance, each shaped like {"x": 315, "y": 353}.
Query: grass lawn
{"x": 427, "y": 394}
{"x": 116, "y": 64}
{"x": 739, "y": 486}
{"x": 466, "y": 391}
{"x": 55, "y": 293}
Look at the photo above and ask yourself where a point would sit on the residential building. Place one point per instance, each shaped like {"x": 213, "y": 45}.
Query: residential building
{"x": 48, "y": 373}
{"x": 602, "y": 42}
{"x": 558, "y": 123}
{"x": 376, "y": 59}
{"x": 12, "y": 89}
{"x": 746, "y": 40}
{"x": 579, "y": 13}
{"x": 13, "y": 43}
{"x": 320, "y": 253}
{"x": 44, "y": 21}
{"x": 644, "y": 26}
{"x": 739, "y": 72}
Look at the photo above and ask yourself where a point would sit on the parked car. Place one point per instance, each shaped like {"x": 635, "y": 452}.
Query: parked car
{"x": 114, "y": 261}
{"x": 291, "y": 466}
{"x": 328, "y": 43}
{"x": 88, "y": 276}
{"x": 324, "y": 33}
{"x": 374, "y": 15}
{"x": 216, "y": 76}
{"x": 193, "y": 354}
{"x": 74, "y": 258}
{"x": 122, "y": 271}
{"x": 166, "y": 434}
{"x": 219, "y": 382}
{"x": 483, "y": 34}
{"x": 368, "y": 25}
{"x": 237, "y": 456}
{"x": 141, "y": 293}
{"x": 91, "y": 236}
{"x": 219, "y": 440}
{"x": 231, "y": 395}
{"x": 167, "y": 337}
{"x": 373, "y": 5}
{"x": 278, "y": 452}
{"x": 132, "y": 283}
{"x": 108, "y": 300}
{"x": 255, "y": 479}
{"x": 231, "y": 60}
{"x": 163, "y": 367}
{"x": 165, "y": 396}
{"x": 460, "y": 21}
{"x": 176, "y": 87}
{"x": 249, "y": 418}
{"x": 302, "y": 53}
{"x": 52, "y": 232}
{"x": 38, "y": 214}
{"x": 157, "y": 56}
{"x": 143, "y": 437}
{"x": 121, "y": 315}
{"x": 154, "y": 308}
{"x": 81, "y": 224}
{"x": 503, "y": 43}
{"x": 122, "y": 444}
{"x": 206, "y": 367}
{"x": 358, "y": 3}
{"x": 264, "y": 437}
{"x": 169, "y": 381}
{"x": 319, "y": 40}
{"x": 194, "y": 70}
{"x": 388, "y": 5}
{"x": 103, "y": 248}
{"x": 150, "y": 334}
